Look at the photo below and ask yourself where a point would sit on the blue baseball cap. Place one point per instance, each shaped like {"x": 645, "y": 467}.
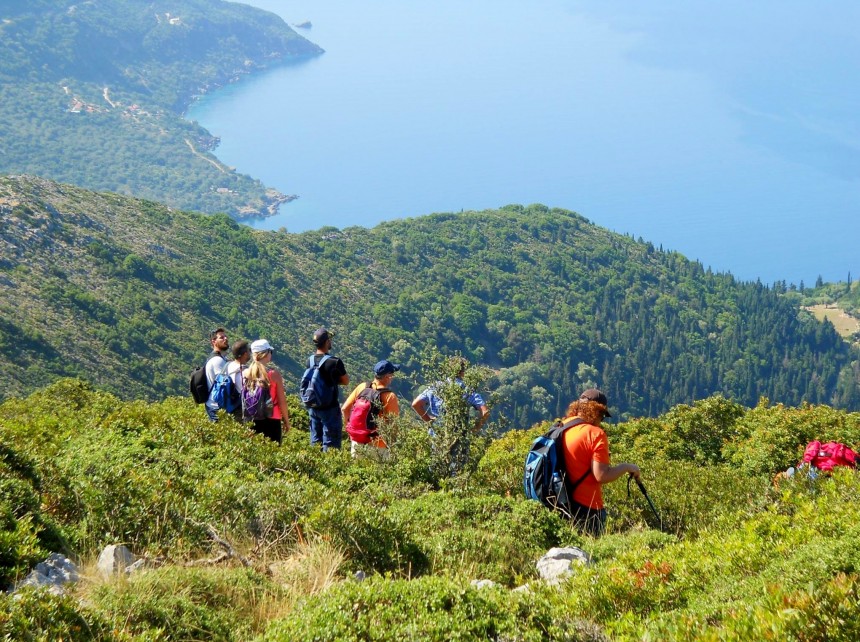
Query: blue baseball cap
{"x": 385, "y": 367}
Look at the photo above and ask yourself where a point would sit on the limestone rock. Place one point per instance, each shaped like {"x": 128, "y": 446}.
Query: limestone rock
{"x": 114, "y": 559}
{"x": 53, "y": 573}
{"x": 481, "y": 584}
{"x": 557, "y": 564}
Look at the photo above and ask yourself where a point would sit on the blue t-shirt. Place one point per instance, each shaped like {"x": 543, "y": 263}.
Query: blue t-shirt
{"x": 435, "y": 406}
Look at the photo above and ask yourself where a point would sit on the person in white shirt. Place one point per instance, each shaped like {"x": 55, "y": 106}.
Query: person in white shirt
{"x": 236, "y": 370}
{"x": 216, "y": 364}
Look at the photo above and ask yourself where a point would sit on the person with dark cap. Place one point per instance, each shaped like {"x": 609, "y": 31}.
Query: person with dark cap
{"x": 383, "y": 375}
{"x": 236, "y": 369}
{"x": 586, "y": 456}
{"x": 326, "y": 420}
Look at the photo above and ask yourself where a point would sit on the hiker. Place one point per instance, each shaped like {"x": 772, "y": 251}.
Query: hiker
{"x": 820, "y": 459}
{"x": 429, "y": 405}
{"x": 586, "y": 456}
{"x": 260, "y": 375}
{"x": 236, "y": 369}
{"x": 364, "y": 438}
{"x": 215, "y": 365}
{"x": 325, "y": 414}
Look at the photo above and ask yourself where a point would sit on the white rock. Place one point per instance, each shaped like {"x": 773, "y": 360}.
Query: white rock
{"x": 557, "y": 563}
{"x": 114, "y": 559}
{"x": 53, "y": 573}
{"x": 480, "y": 584}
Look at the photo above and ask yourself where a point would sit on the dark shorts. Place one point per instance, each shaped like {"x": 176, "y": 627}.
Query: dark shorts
{"x": 588, "y": 521}
{"x": 271, "y": 428}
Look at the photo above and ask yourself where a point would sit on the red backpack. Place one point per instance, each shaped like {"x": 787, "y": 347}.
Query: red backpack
{"x": 361, "y": 427}
{"x": 827, "y": 456}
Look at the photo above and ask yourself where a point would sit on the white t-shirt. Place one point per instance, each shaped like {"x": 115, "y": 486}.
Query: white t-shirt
{"x": 237, "y": 373}
{"x": 214, "y": 367}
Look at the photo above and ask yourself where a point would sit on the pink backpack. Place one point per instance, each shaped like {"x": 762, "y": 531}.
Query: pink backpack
{"x": 827, "y": 456}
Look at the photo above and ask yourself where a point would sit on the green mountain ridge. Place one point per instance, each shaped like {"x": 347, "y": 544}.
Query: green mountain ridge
{"x": 123, "y": 292}
{"x": 93, "y": 93}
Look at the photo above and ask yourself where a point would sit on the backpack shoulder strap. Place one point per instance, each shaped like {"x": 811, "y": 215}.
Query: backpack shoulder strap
{"x": 576, "y": 421}
{"x": 571, "y": 487}
{"x": 325, "y": 358}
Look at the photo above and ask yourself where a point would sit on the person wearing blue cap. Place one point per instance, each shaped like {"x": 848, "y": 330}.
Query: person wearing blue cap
{"x": 370, "y": 402}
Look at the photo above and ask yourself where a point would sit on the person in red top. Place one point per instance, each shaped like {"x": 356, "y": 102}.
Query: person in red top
{"x": 586, "y": 455}
{"x": 260, "y": 374}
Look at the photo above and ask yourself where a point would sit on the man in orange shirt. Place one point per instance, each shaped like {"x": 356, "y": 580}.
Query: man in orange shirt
{"x": 383, "y": 374}
{"x": 586, "y": 456}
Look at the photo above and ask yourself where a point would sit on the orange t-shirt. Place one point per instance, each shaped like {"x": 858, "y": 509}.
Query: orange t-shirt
{"x": 582, "y": 445}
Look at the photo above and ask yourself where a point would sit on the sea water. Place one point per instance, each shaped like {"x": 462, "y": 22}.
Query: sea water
{"x": 727, "y": 131}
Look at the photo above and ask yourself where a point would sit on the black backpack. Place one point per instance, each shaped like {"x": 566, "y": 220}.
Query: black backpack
{"x": 545, "y": 477}
{"x": 199, "y": 385}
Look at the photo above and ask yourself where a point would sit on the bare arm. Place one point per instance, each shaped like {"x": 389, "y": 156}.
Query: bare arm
{"x": 604, "y": 473}
{"x": 346, "y": 408}
{"x": 420, "y": 406}
{"x": 482, "y": 417}
{"x": 282, "y": 400}
{"x": 344, "y": 380}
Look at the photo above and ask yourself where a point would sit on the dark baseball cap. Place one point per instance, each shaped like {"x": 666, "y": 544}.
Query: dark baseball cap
{"x": 385, "y": 367}
{"x": 321, "y": 336}
{"x": 593, "y": 394}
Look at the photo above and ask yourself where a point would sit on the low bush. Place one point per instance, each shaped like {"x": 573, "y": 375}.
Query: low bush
{"x": 481, "y": 537}
{"x": 40, "y": 616}
{"x": 429, "y": 608}
{"x": 217, "y": 605}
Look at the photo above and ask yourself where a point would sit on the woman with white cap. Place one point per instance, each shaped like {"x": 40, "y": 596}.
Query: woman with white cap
{"x": 260, "y": 375}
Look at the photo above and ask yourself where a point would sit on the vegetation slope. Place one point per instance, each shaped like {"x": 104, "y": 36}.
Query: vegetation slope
{"x": 92, "y": 93}
{"x": 123, "y": 292}
{"x": 731, "y": 558}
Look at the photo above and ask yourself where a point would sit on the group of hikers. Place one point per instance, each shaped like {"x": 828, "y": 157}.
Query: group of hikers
{"x": 252, "y": 391}
{"x": 565, "y": 469}
{"x": 259, "y": 399}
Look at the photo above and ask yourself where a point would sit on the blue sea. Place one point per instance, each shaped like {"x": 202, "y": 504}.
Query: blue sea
{"x": 727, "y": 131}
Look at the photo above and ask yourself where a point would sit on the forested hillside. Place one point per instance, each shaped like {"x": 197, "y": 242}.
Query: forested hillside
{"x": 92, "y": 93}
{"x": 123, "y": 292}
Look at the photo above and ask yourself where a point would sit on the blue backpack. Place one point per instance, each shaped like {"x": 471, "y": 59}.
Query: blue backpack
{"x": 545, "y": 478}
{"x": 314, "y": 392}
{"x": 223, "y": 393}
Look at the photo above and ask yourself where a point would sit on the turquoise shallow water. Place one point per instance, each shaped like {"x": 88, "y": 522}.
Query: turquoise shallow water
{"x": 725, "y": 131}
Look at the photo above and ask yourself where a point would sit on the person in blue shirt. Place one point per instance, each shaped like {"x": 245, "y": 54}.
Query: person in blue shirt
{"x": 429, "y": 404}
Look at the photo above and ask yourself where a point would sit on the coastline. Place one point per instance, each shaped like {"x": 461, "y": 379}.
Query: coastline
{"x": 272, "y": 199}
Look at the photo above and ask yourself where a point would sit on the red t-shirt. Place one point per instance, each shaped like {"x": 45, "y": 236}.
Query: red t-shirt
{"x": 273, "y": 392}
{"x": 584, "y": 444}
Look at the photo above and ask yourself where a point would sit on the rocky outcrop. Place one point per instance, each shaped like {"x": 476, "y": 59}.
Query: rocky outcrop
{"x": 52, "y": 574}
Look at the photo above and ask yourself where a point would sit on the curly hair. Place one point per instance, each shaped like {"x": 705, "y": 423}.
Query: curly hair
{"x": 592, "y": 411}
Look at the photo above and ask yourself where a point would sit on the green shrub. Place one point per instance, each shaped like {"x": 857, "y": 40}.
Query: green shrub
{"x": 40, "y": 616}
{"x": 372, "y": 539}
{"x": 431, "y": 608}
{"x": 481, "y": 537}
{"x": 694, "y": 433}
{"x": 26, "y": 534}
{"x": 186, "y": 603}
{"x": 689, "y": 497}
{"x": 500, "y": 471}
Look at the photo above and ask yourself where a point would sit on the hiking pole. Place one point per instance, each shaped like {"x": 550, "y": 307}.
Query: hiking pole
{"x": 644, "y": 492}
